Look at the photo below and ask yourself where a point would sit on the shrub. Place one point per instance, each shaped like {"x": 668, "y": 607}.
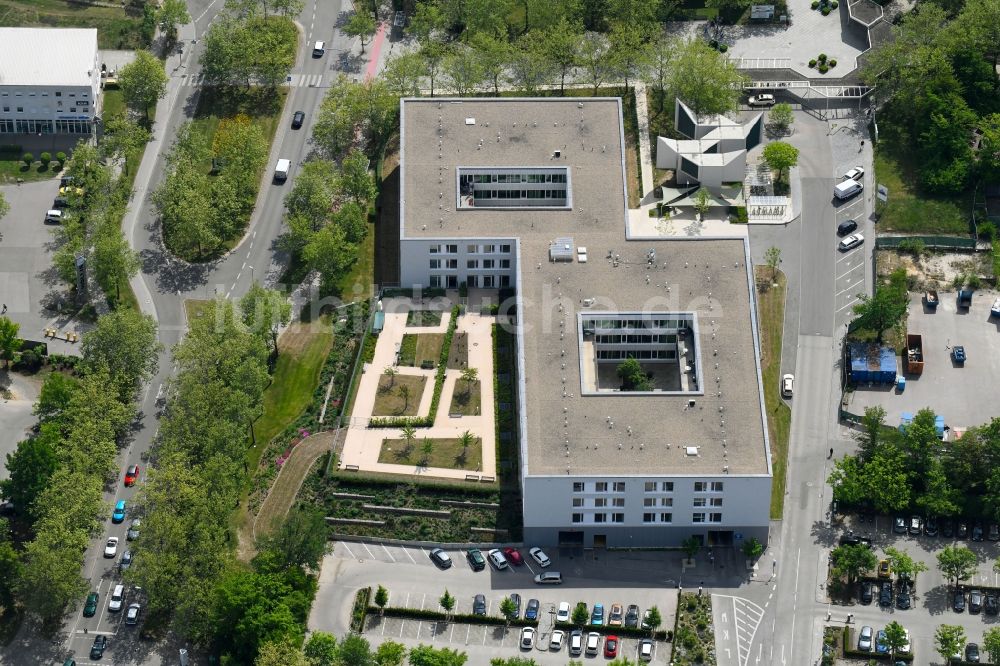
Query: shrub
{"x": 987, "y": 231}
{"x": 45, "y": 158}
{"x": 973, "y": 281}
{"x": 61, "y": 156}
{"x": 823, "y": 68}
{"x": 812, "y": 63}
{"x": 28, "y": 159}
{"x": 826, "y": 11}
{"x": 815, "y": 4}
{"x": 822, "y": 57}
{"x": 723, "y": 48}
{"x": 834, "y": 4}
{"x": 833, "y": 62}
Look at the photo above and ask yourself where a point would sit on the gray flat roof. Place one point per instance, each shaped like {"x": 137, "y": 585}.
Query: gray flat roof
{"x": 47, "y": 56}
{"x": 708, "y": 276}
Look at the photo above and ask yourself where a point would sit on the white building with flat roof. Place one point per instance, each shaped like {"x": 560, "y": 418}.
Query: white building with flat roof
{"x": 529, "y": 194}
{"x": 49, "y": 80}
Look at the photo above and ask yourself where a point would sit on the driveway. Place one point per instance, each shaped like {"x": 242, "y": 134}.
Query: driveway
{"x": 16, "y": 418}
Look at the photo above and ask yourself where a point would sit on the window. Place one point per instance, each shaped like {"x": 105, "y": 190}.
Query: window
{"x": 451, "y": 249}
{"x": 58, "y": 94}
{"x": 716, "y": 486}
{"x": 451, "y": 263}
{"x": 505, "y": 249}
{"x": 700, "y": 487}
{"x": 577, "y": 502}
{"x": 715, "y": 501}
{"x": 73, "y": 110}
{"x": 435, "y": 263}
{"x": 666, "y": 517}
{"x": 699, "y": 501}
{"x": 618, "y": 517}
{"x": 6, "y": 109}
{"x": 618, "y": 502}
{"x": 619, "y": 486}
{"x": 472, "y": 249}
{"x": 578, "y": 486}
{"x": 649, "y": 517}
{"x": 487, "y": 263}
{"x": 472, "y": 263}
{"x": 505, "y": 263}
{"x": 434, "y": 249}
{"x": 715, "y": 517}
{"x": 650, "y": 487}
{"x": 577, "y": 517}
{"x": 601, "y": 487}
{"x": 435, "y": 280}
{"x": 600, "y": 502}
{"x": 600, "y": 517}
{"x": 666, "y": 501}
{"x": 698, "y": 518}
{"x": 649, "y": 501}
{"x": 20, "y": 109}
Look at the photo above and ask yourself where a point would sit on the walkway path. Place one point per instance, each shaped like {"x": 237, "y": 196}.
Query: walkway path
{"x": 645, "y": 149}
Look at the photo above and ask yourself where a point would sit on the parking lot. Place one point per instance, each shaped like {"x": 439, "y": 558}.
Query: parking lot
{"x": 951, "y": 390}
{"x": 413, "y": 581}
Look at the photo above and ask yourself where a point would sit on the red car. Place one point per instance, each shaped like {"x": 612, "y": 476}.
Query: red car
{"x": 131, "y": 475}
{"x": 514, "y": 556}
{"x": 611, "y": 646}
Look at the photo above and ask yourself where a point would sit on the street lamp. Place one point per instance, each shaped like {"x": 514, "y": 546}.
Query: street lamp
{"x": 251, "y": 275}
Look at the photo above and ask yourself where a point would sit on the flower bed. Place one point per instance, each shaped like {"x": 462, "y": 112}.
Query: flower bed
{"x": 694, "y": 635}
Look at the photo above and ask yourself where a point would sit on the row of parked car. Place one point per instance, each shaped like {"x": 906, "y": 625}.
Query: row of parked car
{"x": 501, "y": 559}
{"x": 870, "y": 640}
{"x": 579, "y": 643}
{"x": 979, "y": 601}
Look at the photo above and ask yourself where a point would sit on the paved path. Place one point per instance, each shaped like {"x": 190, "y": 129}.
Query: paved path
{"x": 645, "y": 149}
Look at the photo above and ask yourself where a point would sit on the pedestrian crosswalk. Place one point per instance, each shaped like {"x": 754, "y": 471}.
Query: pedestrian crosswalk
{"x": 293, "y": 80}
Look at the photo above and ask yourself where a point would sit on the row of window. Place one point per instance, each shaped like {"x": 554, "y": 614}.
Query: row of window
{"x": 652, "y": 518}
{"x": 600, "y": 518}
{"x": 487, "y": 263}
{"x": 520, "y": 194}
{"x": 450, "y": 264}
{"x": 638, "y": 354}
{"x": 637, "y": 339}
{"x": 599, "y": 324}
{"x": 44, "y": 94}
{"x": 647, "y": 502}
{"x": 471, "y": 249}
{"x": 84, "y": 106}
{"x": 647, "y": 486}
{"x": 9, "y": 126}
{"x": 484, "y": 281}
{"x": 515, "y": 178}
{"x": 598, "y": 502}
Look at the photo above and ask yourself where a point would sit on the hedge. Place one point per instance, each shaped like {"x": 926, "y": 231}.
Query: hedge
{"x": 458, "y": 486}
{"x": 427, "y": 614}
{"x": 361, "y": 600}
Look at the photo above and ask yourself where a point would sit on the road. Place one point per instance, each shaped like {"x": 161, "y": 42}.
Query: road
{"x": 823, "y": 285}
{"x": 164, "y": 283}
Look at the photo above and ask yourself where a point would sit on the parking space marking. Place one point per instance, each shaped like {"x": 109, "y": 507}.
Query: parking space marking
{"x": 388, "y": 553}
{"x": 370, "y": 553}
{"x": 851, "y": 270}
{"x": 407, "y": 552}
{"x": 348, "y": 550}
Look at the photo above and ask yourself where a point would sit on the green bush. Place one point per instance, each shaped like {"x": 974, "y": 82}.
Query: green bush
{"x": 834, "y": 4}
{"x": 815, "y": 4}
{"x": 361, "y": 600}
{"x": 463, "y": 289}
{"x": 61, "y": 156}
{"x": 987, "y": 231}
{"x": 812, "y": 63}
{"x": 973, "y": 282}
{"x": 822, "y": 57}
{"x": 823, "y": 68}
{"x": 832, "y": 63}
{"x": 28, "y": 159}
{"x": 826, "y": 11}
{"x": 723, "y": 48}
{"x": 45, "y": 158}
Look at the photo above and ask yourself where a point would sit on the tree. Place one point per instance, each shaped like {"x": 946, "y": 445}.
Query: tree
{"x": 432, "y": 54}
{"x": 361, "y": 25}
{"x": 562, "y": 48}
{"x": 704, "y": 79}
{"x": 886, "y": 480}
{"x": 391, "y": 373}
{"x": 124, "y": 342}
{"x": 55, "y": 395}
{"x": 991, "y": 643}
{"x": 300, "y": 541}
{"x": 781, "y": 156}
{"x": 949, "y": 640}
{"x": 113, "y": 259}
{"x": 872, "y": 432}
{"x": 957, "y": 562}
{"x": 752, "y": 548}
{"x": 470, "y": 376}
{"x": 593, "y": 58}
{"x": 143, "y": 81}
{"x": 409, "y": 433}
{"x": 321, "y": 649}
{"x": 265, "y": 312}
{"x": 988, "y": 156}
{"x": 404, "y": 393}
{"x": 390, "y": 653}
{"x": 493, "y": 54}
{"x": 354, "y": 650}
{"x": 330, "y": 253}
{"x": 402, "y": 73}
{"x": 381, "y": 598}
{"x": 529, "y": 65}
{"x": 580, "y": 615}
{"x": 895, "y": 637}
{"x": 690, "y": 546}
{"x": 10, "y": 570}
{"x": 447, "y": 602}
{"x": 123, "y": 138}
{"x": 425, "y": 655}
{"x": 633, "y": 375}
{"x": 508, "y": 609}
{"x": 466, "y": 439}
{"x": 886, "y": 309}
{"x": 463, "y": 71}
{"x": 781, "y": 116}
{"x": 9, "y": 342}
{"x": 662, "y": 51}
{"x": 627, "y": 49}
{"x": 426, "y": 450}
{"x": 702, "y": 201}
{"x": 356, "y": 181}
{"x": 852, "y": 561}
{"x": 50, "y": 575}
{"x": 171, "y": 14}
{"x": 772, "y": 257}
{"x": 903, "y": 564}
{"x": 30, "y": 467}
{"x": 311, "y": 198}
{"x": 654, "y": 619}
{"x": 280, "y": 653}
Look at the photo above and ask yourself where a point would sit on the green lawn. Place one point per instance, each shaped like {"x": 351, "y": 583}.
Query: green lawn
{"x": 466, "y": 399}
{"x": 302, "y": 349}
{"x": 117, "y": 27}
{"x": 390, "y": 399}
{"x": 358, "y": 282}
{"x": 419, "y": 347}
{"x": 263, "y": 106}
{"x": 423, "y": 318}
{"x": 771, "y": 310}
{"x": 12, "y": 167}
{"x": 911, "y": 211}
{"x": 446, "y": 453}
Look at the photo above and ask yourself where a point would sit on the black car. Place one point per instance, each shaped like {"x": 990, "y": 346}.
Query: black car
{"x": 993, "y": 532}
{"x": 866, "y": 592}
{"x": 441, "y": 558}
{"x": 531, "y": 610}
{"x": 632, "y": 616}
{"x": 846, "y": 227}
{"x": 60, "y": 202}
{"x": 852, "y": 539}
{"x": 958, "y": 354}
{"x": 476, "y": 559}
{"x": 904, "y": 583}
{"x": 479, "y": 605}
{"x": 903, "y": 601}
{"x": 516, "y": 598}
{"x": 958, "y": 603}
{"x": 931, "y": 526}
{"x": 990, "y": 604}
{"x": 972, "y": 653}
{"x": 297, "y": 119}
{"x": 975, "y": 601}
{"x": 962, "y": 531}
{"x": 99, "y": 646}
{"x": 977, "y": 531}
{"x": 947, "y": 529}
{"x": 885, "y": 594}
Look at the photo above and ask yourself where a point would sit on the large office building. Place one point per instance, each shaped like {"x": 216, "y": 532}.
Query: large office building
{"x": 530, "y": 194}
{"x": 49, "y": 80}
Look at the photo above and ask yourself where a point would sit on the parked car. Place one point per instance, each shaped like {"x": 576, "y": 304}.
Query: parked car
{"x": 899, "y": 525}
{"x": 548, "y": 578}
{"x": 787, "y": 385}
{"x": 865, "y": 639}
{"x": 857, "y": 173}
{"x": 906, "y": 647}
{"x": 947, "y": 529}
{"x": 764, "y": 99}
{"x": 132, "y": 614}
{"x": 133, "y": 529}
{"x": 440, "y": 558}
{"x": 646, "y": 624}
{"x": 99, "y": 646}
{"x": 916, "y": 525}
{"x": 555, "y": 643}
{"x": 575, "y": 643}
{"x": 111, "y": 547}
{"x": 884, "y": 569}
{"x": 931, "y": 526}
{"x": 597, "y": 617}
{"x": 972, "y": 653}
{"x": 513, "y": 556}
{"x": 958, "y": 601}
{"x": 852, "y": 539}
{"x": 881, "y": 647}
{"x": 885, "y": 594}
{"x": 515, "y": 599}
{"x": 851, "y": 242}
{"x": 846, "y": 227}
{"x": 54, "y": 216}
{"x": 866, "y": 592}
{"x": 131, "y": 475}
{"x": 479, "y": 605}
{"x": 476, "y": 559}
{"x": 616, "y": 617}
{"x": 118, "y": 515}
{"x": 562, "y": 613}
{"x": 593, "y": 643}
{"x": 539, "y": 556}
{"x": 632, "y": 616}
{"x": 903, "y": 601}
{"x": 977, "y": 531}
{"x": 958, "y": 354}
{"x": 995, "y": 308}
{"x": 645, "y": 650}
{"x": 117, "y": 598}
{"x": 527, "y": 638}
{"x": 975, "y": 601}
{"x": 298, "y": 118}
{"x": 531, "y": 610}
{"x": 990, "y": 604}
{"x": 611, "y": 647}
{"x": 993, "y": 532}
{"x": 497, "y": 559}
{"x": 90, "y": 607}
{"x": 126, "y": 561}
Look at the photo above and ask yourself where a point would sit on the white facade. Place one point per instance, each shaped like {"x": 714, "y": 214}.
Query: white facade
{"x": 49, "y": 81}
{"x": 645, "y": 511}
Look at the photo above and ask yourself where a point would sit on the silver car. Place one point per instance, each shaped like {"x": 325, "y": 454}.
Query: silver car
{"x": 865, "y": 639}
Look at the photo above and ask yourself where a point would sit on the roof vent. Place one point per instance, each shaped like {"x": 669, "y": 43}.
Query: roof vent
{"x": 588, "y": 302}
{"x": 470, "y": 121}
{"x": 691, "y": 450}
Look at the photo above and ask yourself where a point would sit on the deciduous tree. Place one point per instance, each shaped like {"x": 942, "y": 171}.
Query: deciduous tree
{"x": 991, "y": 643}
{"x": 781, "y": 156}
{"x": 425, "y": 655}
{"x": 594, "y": 58}
{"x": 580, "y": 615}
{"x": 171, "y": 14}
{"x": 402, "y": 73}
{"x": 781, "y": 116}
{"x": 852, "y": 560}
{"x": 462, "y": 71}
{"x": 895, "y": 637}
{"x": 362, "y": 25}
{"x": 390, "y": 653}
{"x": 124, "y": 341}
{"x": 957, "y": 562}
{"x": 265, "y": 312}
{"x": 704, "y": 79}
{"x": 562, "y": 48}
{"x": 321, "y": 649}
{"x": 30, "y": 467}
{"x": 884, "y": 310}
{"x": 949, "y": 640}
{"x": 143, "y": 81}
{"x": 356, "y": 181}
{"x": 10, "y": 343}
{"x": 494, "y": 55}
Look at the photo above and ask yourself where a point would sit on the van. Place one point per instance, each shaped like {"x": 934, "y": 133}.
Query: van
{"x": 281, "y": 170}
{"x": 117, "y": 598}
{"x": 847, "y": 189}
{"x": 54, "y": 215}
{"x": 575, "y": 643}
{"x": 319, "y": 48}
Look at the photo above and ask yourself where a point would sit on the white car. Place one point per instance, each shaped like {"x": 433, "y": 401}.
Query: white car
{"x": 865, "y": 639}
{"x": 905, "y": 649}
{"x": 645, "y": 650}
{"x": 562, "y": 615}
{"x": 593, "y": 643}
{"x": 527, "y": 638}
{"x": 538, "y": 555}
{"x": 995, "y": 310}
{"x": 117, "y": 598}
{"x": 787, "y": 382}
{"x": 557, "y": 640}
{"x": 851, "y": 241}
{"x": 111, "y": 548}
{"x": 765, "y": 99}
{"x": 319, "y": 48}
{"x": 497, "y": 559}
{"x": 857, "y": 173}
